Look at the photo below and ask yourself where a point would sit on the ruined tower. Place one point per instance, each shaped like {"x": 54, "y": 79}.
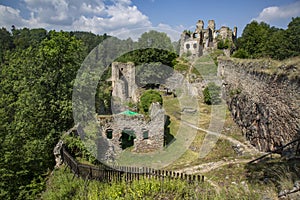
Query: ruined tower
{"x": 123, "y": 82}
{"x": 202, "y": 41}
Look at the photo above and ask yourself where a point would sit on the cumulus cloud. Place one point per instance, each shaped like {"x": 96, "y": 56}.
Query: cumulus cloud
{"x": 10, "y": 16}
{"x": 97, "y": 16}
{"x": 274, "y": 14}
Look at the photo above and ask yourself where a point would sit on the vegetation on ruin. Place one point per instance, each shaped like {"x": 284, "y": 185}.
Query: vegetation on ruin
{"x": 37, "y": 72}
{"x": 147, "y": 98}
{"x": 212, "y": 94}
{"x": 224, "y": 44}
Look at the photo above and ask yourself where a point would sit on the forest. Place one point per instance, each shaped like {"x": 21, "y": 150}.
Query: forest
{"x": 37, "y": 72}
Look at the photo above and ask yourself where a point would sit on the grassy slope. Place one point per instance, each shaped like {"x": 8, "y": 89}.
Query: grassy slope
{"x": 62, "y": 185}
{"x": 232, "y": 181}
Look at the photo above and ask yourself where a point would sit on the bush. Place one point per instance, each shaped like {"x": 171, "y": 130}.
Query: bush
{"x": 241, "y": 53}
{"x": 211, "y": 94}
{"x": 149, "y": 97}
{"x": 224, "y": 44}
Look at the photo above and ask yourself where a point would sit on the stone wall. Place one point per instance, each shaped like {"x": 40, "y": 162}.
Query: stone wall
{"x": 123, "y": 81}
{"x": 138, "y": 124}
{"x": 203, "y": 41}
{"x": 264, "y": 99}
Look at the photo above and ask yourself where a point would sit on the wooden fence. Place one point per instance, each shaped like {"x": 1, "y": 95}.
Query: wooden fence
{"x": 105, "y": 173}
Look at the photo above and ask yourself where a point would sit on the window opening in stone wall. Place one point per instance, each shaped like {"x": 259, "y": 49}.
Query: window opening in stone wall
{"x": 109, "y": 133}
{"x": 187, "y": 46}
{"x": 127, "y": 138}
{"x": 145, "y": 134}
{"x": 195, "y": 45}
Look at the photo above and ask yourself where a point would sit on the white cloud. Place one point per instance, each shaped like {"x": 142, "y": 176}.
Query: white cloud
{"x": 118, "y": 18}
{"x": 274, "y": 14}
{"x": 90, "y": 15}
{"x": 10, "y": 16}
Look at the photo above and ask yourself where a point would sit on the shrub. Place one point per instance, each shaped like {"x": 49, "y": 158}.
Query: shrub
{"x": 211, "y": 94}
{"x": 224, "y": 44}
{"x": 241, "y": 53}
{"x": 148, "y": 97}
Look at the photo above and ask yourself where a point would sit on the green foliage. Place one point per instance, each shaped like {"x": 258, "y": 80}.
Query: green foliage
{"x": 215, "y": 54}
{"x": 212, "y": 94}
{"x": 149, "y": 55}
{"x": 182, "y": 67}
{"x": 254, "y": 38}
{"x": 151, "y": 74}
{"x": 241, "y": 53}
{"x": 149, "y": 97}
{"x": 24, "y": 38}
{"x": 62, "y": 185}
{"x": 6, "y": 43}
{"x": 103, "y": 94}
{"x": 260, "y": 40}
{"x": 35, "y": 91}
{"x": 154, "y": 39}
{"x": 224, "y": 44}
{"x": 293, "y": 36}
{"x": 187, "y": 54}
{"x": 206, "y": 66}
{"x": 90, "y": 40}
{"x": 78, "y": 149}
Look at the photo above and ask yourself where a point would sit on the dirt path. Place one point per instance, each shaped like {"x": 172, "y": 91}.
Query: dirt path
{"x": 247, "y": 147}
{"x": 206, "y": 167}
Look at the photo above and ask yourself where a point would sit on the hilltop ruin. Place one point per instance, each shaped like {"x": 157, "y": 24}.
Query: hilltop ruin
{"x": 202, "y": 41}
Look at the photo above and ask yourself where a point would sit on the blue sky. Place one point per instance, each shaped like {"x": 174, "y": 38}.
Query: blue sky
{"x": 127, "y": 18}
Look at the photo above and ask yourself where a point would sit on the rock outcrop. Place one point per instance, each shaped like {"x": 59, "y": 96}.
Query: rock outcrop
{"x": 264, "y": 99}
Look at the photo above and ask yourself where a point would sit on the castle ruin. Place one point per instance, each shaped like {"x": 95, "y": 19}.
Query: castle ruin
{"x": 202, "y": 41}
{"x": 124, "y": 87}
{"x": 126, "y": 128}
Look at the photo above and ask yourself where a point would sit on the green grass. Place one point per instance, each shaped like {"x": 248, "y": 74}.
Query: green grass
{"x": 182, "y": 65}
{"x": 63, "y": 185}
{"x": 206, "y": 66}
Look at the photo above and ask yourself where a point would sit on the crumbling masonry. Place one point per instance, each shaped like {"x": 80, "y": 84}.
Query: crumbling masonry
{"x": 129, "y": 129}
{"x": 202, "y": 41}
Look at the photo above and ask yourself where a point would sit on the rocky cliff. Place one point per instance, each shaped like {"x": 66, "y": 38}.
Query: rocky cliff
{"x": 264, "y": 99}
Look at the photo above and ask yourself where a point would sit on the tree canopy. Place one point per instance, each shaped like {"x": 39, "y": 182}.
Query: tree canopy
{"x": 260, "y": 40}
{"x": 37, "y": 71}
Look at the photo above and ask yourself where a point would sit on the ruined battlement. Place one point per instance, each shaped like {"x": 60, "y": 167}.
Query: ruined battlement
{"x": 202, "y": 41}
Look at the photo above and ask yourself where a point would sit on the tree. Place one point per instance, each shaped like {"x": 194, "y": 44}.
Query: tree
{"x": 154, "y": 39}
{"x": 149, "y": 97}
{"x": 241, "y": 53}
{"x": 276, "y": 46}
{"x": 36, "y": 90}
{"x": 254, "y": 38}
{"x": 293, "y": 36}
{"x": 90, "y": 40}
{"x": 6, "y": 43}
